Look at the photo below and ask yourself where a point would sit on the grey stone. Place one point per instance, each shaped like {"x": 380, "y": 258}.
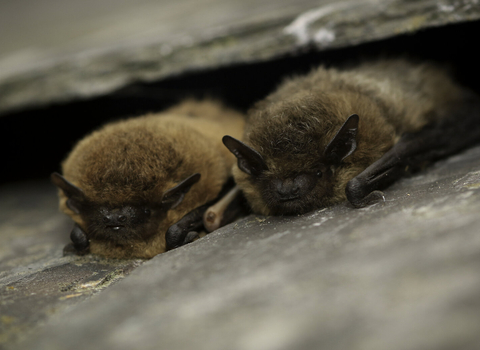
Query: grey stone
{"x": 36, "y": 280}
{"x": 402, "y": 274}
{"x": 61, "y": 51}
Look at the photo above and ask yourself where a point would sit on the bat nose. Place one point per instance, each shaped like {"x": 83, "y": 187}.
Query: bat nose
{"x": 126, "y": 217}
{"x": 114, "y": 219}
{"x": 287, "y": 189}
{"x": 293, "y": 188}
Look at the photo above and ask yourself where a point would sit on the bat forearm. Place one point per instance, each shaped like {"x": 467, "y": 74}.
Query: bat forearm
{"x": 214, "y": 215}
{"x": 436, "y": 140}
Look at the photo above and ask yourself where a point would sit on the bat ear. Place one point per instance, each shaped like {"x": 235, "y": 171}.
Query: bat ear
{"x": 74, "y": 194}
{"x": 344, "y": 142}
{"x": 174, "y": 196}
{"x": 249, "y": 160}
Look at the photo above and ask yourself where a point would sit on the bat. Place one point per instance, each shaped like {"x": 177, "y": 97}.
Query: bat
{"x": 127, "y": 183}
{"x": 337, "y": 134}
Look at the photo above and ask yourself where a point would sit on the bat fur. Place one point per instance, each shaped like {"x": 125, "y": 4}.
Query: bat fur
{"x": 130, "y": 166}
{"x": 289, "y": 133}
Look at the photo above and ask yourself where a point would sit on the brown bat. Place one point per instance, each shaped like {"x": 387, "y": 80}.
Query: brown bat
{"x": 126, "y": 184}
{"x": 336, "y": 134}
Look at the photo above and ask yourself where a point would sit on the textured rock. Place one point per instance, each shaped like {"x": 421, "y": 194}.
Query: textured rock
{"x": 36, "y": 281}
{"x": 91, "y": 48}
{"x": 397, "y": 275}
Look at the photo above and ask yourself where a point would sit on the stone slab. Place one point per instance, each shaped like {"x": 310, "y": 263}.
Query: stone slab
{"x": 402, "y": 274}
{"x": 36, "y": 280}
{"x": 59, "y": 51}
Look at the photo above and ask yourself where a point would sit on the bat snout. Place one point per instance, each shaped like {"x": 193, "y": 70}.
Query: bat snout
{"x": 293, "y": 188}
{"x": 118, "y": 218}
{"x": 122, "y": 224}
{"x": 115, "y": 220}
{"x": 287, "y": 190}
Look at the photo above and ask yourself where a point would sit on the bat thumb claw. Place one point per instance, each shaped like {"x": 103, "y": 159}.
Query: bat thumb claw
{"x": 374, "y": 197}
{"x": 190, "y": 237}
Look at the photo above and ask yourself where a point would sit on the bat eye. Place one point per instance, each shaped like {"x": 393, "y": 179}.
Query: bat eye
{"x": 147, "y": 212}
{"x": 319, "y": 174}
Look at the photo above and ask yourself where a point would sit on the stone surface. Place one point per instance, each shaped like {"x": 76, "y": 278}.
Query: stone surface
{"x": 398, "y": 275}
{"x": 36, "y": 280}
{"x": 65, "y": 50}
{"x": 402, "y": 274}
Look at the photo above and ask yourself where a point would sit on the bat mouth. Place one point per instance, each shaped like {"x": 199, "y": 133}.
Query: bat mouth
{"x": 289, "y": 193}
{"x": 288, "y": 199}
{"x": 291, "y": 206}
{"x": 115, "y": 227}
{"x": 118, "y": 234}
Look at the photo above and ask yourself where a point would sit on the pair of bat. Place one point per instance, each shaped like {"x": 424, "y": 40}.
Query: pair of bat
{"x": 318, "y": 140}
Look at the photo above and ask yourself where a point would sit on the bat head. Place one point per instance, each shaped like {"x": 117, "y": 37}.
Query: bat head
{"x": 283, "y": 185}
{"x": 135, "y": 219}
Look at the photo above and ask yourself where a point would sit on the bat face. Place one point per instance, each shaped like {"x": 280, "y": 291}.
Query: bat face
{"x": 121, "y": 225}
{"x": 126, "y": 223}
{"x": 288, "y": 194}
{"x": 287, "y": 182}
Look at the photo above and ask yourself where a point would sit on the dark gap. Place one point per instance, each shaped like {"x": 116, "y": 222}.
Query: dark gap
{"x": 34, "y": 142}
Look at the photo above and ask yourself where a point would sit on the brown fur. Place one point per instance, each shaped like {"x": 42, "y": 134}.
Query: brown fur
{"x": 133, "y": 162}
{"x": 292, "y": 126}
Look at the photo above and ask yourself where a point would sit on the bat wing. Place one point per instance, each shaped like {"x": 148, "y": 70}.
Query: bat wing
{"x": 225, "y": 208}
{"x": 185, "y": 230}
{"x": 458, "y": 130}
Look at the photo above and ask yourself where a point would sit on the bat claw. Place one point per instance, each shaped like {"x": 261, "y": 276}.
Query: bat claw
{"x": 370, "y": 199}
{"x": 177, "y": 237}
{"x": 190, "y": 237}
{"x": 79, "y": 243}
{"x": 174, "y": 236}
{"x": 184, "y": 231}
{"x": 207, "y": 217}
